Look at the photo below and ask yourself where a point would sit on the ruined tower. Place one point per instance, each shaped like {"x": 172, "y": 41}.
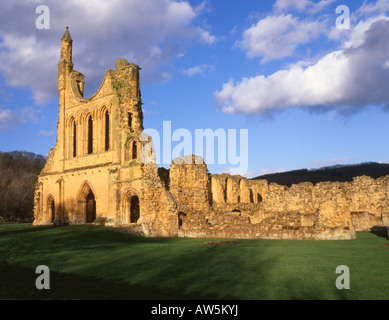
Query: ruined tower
{"x": 94, "y": 172}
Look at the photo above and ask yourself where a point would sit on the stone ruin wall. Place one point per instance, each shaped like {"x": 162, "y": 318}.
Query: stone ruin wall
{"x": 158, "y": 210}
{"x": 225, "y": 206}
{"x": 184, "y": 200}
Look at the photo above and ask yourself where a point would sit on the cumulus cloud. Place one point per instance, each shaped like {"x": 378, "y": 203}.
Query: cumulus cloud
{"x": 198, "y": 70}
{"x": 354, "y": 76}
{"x": 280, "y": 33}
{"x": 374, "y": 7}
{"x": 10, "y": 118}
{"x": 149, "y": 33}
{"x": 24, "y": 61}
{"x": 278, "y": 36}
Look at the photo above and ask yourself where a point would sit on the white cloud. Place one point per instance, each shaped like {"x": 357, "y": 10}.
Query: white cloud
{"x": 7, "y": 119}
{"x": 278, "y": 36}
{"x": 235, "y": 171}
{"x": 320, "y": 6}
{"x": 198, "y": 70}
{"x": 355, "y": 76}
{"x": 206, "y": 37}
{"x": 280, "y": 33}
{"x": 251, "y": 174}
{"x": 149, "y": 33}
{"x": 31, "y": 114}
{"x": 330, "y": 162}
{"x": 26, "y": 62}
{"x": 306, "y": 6}
{"x": 10, "y": 119}
{"x": 373, "y": 8}
{"x": 358, "y": 35}
{"x": 285, "y": 5}
{"x": 270, "y": 171}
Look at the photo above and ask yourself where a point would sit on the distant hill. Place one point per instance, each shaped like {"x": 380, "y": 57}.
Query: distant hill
{"x": 340, "y": 173}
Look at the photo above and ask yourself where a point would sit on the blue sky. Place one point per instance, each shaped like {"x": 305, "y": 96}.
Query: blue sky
{"x": 310, "y": 94}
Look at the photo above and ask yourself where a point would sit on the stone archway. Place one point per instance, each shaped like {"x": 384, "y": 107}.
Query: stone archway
{"x": 50, "y": 208}
{"x": 134, "y": 209}
{"x": 130, "y": 206}
{"x": 90, "y": 210}
{"x": 181, "y": 219}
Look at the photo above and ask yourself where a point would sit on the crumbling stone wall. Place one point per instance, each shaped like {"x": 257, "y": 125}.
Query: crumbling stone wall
{"x": 242, "y": 208}
{"x": 189, "y": 184}
{"x": 368, "y": 202}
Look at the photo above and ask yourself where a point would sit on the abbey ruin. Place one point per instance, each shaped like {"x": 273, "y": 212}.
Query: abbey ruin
{"x": 96, "y": 174}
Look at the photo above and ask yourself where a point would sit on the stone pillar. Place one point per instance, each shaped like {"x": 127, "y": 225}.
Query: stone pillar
{"x": 232, "y": 191}
{"x": 217, "y": 190}
{"x": 189, "y": 183}
{"x": 244, "y": 191}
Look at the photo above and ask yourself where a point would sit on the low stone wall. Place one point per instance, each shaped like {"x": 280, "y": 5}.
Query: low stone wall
{"x": 236, "y": 207}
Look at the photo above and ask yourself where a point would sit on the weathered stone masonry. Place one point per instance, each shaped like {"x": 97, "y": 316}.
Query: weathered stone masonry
{"x": 102, "y": 171}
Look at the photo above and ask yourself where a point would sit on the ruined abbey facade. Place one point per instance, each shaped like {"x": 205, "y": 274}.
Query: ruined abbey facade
{"x": 101, "y": 171}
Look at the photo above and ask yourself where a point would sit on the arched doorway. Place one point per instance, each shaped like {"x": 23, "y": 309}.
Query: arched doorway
{"x": 90, "y": 207}
{"x": 181, "y": 218}
{"x": 86, "y": 203}
{"x": 51, "y": 208}
{"x": 130, "y": 206}
{"x": 134, "y": 209}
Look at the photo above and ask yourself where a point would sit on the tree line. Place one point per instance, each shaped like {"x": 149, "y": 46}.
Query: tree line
{"x": 19, "y": 171}
{"x": 337, "y": 173}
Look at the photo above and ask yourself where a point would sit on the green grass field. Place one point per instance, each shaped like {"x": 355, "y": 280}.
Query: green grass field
{"x": 88, "y": 262}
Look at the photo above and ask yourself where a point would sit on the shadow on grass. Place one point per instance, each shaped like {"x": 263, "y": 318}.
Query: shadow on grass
{"x": 163, "y": 268}
{"x": 166, "y": 274}
{"x": 23, "y": 229}
{"x": 382, "y": 232}
{"x": 18, "y": 282}
{"x": 81, "y": 231}
{"x": 302, "y": 291}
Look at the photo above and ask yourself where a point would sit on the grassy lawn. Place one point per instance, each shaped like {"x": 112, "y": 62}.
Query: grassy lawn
{"x": 88, "y": 262}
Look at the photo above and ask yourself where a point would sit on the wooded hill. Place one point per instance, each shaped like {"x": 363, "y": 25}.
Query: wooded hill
{"x": 340, "y": 173}
{"x": 19, "y": 171}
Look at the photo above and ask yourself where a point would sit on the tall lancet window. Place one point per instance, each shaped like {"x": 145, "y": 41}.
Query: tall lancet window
{"x": 134, "y": 150}
{"x": 90, "y": 135}
{"x": 106, "y": 130}
{"x": 130, "y": 120}
{"x": 74, "y": 151}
